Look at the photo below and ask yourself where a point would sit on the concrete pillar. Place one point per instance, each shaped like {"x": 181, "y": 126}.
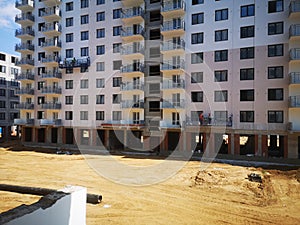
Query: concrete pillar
{"x": 35, "y": 136}
{"x": 293, "y": 143}
{"x": 48, "y": 135}
{"x": 237, "y": 144}
{"x": 125, "y": 139}
{"x": 255, "y": 144}
{"x": 188, "y": 141}
{"x": 60, "y": 135}
{"x": 285, "y": 146}
{"x": 229, "y": 144}
{"x": 106, "y": 142}
{"x": 93, "y": 137}
{"x": 63, "y": 135}
{"x": 264, "y": 145}
{"x": 259, "y": 145}
{"x": 210, "y": 140}
{"x": 232, "y": 147}
{"x": 204, "y": 141}
{"x": 146, "y": 143}
{"x": 183, "y": 138}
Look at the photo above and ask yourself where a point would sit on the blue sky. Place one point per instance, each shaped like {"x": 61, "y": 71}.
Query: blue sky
{"x": 8, "y": 26}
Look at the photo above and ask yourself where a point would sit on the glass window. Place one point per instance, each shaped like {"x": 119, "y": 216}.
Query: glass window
{"x": 84, "y": 115}
{"x": 117, "y": 13}
{"x": 221, "y": 96}
{"x": 247, "y": 116}
{"x": 100, "y": 83}
{"x": 275, "y": 116}
{"x": 100, "y": 66}
{"x": 84, "y": 84}
{"x": 69, "y": 22}
{"x": 275, "y": 28}
{"x": 197, "y": 57}
{"x": 84, "y": 99}
{"x": 197, "y": 38}
{"x": 99, "y": 115}
{"x": 221, "y": 14}
{"x": 275, "y": 72}
{"x": 69, "y": 84}
{"x": 275, "y": 6}
{"x": 221, "y": 55}
{"x": 247, "y": 74}
{"x": 247, "y": 10}
{"x": 247, "y": 53}
{"x": 69, "y": 100}
{"x": 84, "y": 51}
{"x": 84, "y": 19}
{"x": 221, "y": 75}
{"x": 221, "y": 35}
{"x": 84, "y": 35}
{"x": 247, "y": 32}
{"x": 100, "y": 16}
{"x": 247, "y": 95}
{"x": 117, "y": 115}
{"x": 84, "y": 3}
{"x": 101, "y": 50}
{"x": 196, "y": 2}
{"x": 117, "y": 31}
{"x": 117, "y": 81}
{"x": 100, "y": 33}
{"x": 197, "y": 96}
{"x": 275, "y": 94}
{"x": 197, "y": 77}
{"x": 69, "y": 6}
{"x": 69, "y": 37}
{"x": 100, "y": 99}
{"x": 275, "y": 50}
{"x": 197, "y": 18}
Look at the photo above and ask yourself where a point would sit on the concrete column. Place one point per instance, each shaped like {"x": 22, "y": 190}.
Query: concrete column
{"x": 210, "y": 140}
{"x": 236, "y": 144}
{"x": 264, "y": 145}
{"x": 146, "y": 143}
{"x": 255, "y": 144}
{"x": 183, "y": 138}
{"x": 204, "y": 141}
{"x": 125, "y": 139}
{"x": 48, "y": 134}
{"x": 285, "y": 146}
{"x": 259, "y": 145}
{"x": 63, "y": 136}
{"x": 188, "y": 141}
{"x": 232, "y": 144}
{"x": 106, "y": 142}
{"x": 93, "y": 137}
{"x": 293, "y": 145}
{"x": 36, "y": 131}
{"x": 229, "y": 144}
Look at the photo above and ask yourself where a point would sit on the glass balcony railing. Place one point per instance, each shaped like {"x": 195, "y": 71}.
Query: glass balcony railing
{"x": 51, "y": 43}
{"x": 171, "y": 45}
{"x": 24, "y": 105}
{"x": 131, "y": 31}
{"x": 50, "y": 122}
{"x": 170, "y": 104}
{"x": 172, "y": 5}
{"x": 24, "y": 121}
{"x": 132, "y": 12}
{"x": 20, "y": 4}
{"x": 25, "y": 61}
{"x": 51, "y": 90}
{"x": 25, "y": 76}
{"x": 172, "y": 26}
{"x": 294, "y": 101}
{"x": 130, "y": 86}
{"x": 50, "y": 105}
{"x": 22, "y": 32}
{"x": 295, "y": 54}
{"x": 25, "y": 91}
{"x": 295, "y": 30}
{"x": 170, "y": 84}
{"x": 24, "y": 17}
{"x": 295, "y": 78}
{"x": 51, "y": 74}
{"x": 170, "y": 65}
{"x": 68, "y": 63}
{"x": 132, "y": 49}
{"x": 128, "y": 104}
{"x": 295, "y": 7}
{"x": 138, "y": 67}
{"x": 24, "y": 47}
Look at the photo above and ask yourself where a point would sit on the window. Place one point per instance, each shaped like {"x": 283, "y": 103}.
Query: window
{"x": 117, "y": 30}
{"x": 100, "y": 2}
{"x": 197, "y": 18}
{"x": 84, "y": 99}
{"x": 221, "y": 96}
{"x": 247, "y": 32}
{"x": 195, "y": 115}
{"x": 197, "y": 96}
{"x": 154, "y": 15}
{"x": 247, "y": 74}
{"x": 221, "y": 14}
{"x": 275, "y": 28}
{"x": 116, "y": 98}
{"x": 69, "y": 84}
{"x": 100, "y": 50}
{"x": 246, "y": 95}
{"x": 84, "y": 19}
{"x": 84, "y": 115}
{"x": 69, "y": 22}
{"x": 275, "y": 72}
{"x": 117, "y": 81}
{"x": 275, "y": 6}
{"x": 100, "y": 16}
{"x": 247, "y": 10}
{"x": 117, "y": 47}
{"x": 221, "y": 35}
{"x": 69, "y": 53}
{"x": 117, "y": 64}
{"x": 220, "y": 116}
{"x": 84, "y": 84}
{"x": 69, "y": 37}
{"x": 197, "y": 38}
{"x": 275, "y": 50}
{"x": 3, "y": 68}
{"x": 221, "y": 55}
{"x": 2, "y": 104}
{"x": 99, "y": 99}
{"x": 100, "y": 33}
{"x": 197, "y": 77}
{"x": 69, "y": 6}
{"x": 247, "y": 53}
{"x": 275, "y": 94}
{"x": 117, "y": 13}
{"x": 84, "y": 51}
{"x": 247, "y": 116}
{"x": 99, "y": 115}
{"x": 221, "y": 75}
{"x": 2, "y": 116}
{"x": 154, "y": 1}
{"x": 68, "y": 115}
{"x": 84, "y": 35}
{"x": 69, "y": 100}
{"x": 197, "y": 57}
{"x": 84, "y": 3}
{"x": 100, "y": 66}
{"x": 275, "y": 116}
{"x": 2, "y": 92}
{"x": 154, "y": 34}
{"x": 100, "y": 83}
{"x": 196, "y": 2}
{"x": 116, "y": 115}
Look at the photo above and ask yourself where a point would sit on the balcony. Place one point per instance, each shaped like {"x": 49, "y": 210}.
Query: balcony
{"x": 131, "y": 86}
{"x": 294, "y": 101}
{"x": 172, "y": 125}
{"x": 51, "y": 90}
{"x": 133, "y": 34}
{"x": 132, "y": 3}
{"x": 51, "y": 2}
{"x": 294, "y": 9}
{"x": 51, "y": 14}
{"x": 171, "y": 28}
{"x": 295, "y": 54}
{"x": 51, "y": 45}
{"x": 133, "y": 15}
{"x": 133, "y": 51}
{"x": 50, "y": 105}
{"x": 52, "y": 75}
{"x": 50, "y": 122}
{"x": 171, "y": 9}
{"x": 294, "y": 78}
{"x": 133, "y": 68}
{"x": 130, "y": 104}
{"x": 24, "y": 48}
{"x": 173, "y": 67}
{"x": 25, "y": 19}
{"x": 25, "y": 34}
{"x": 25, "y": 91}
{"x": 24, "y": 105}
{"x": 172, "y": 47}
{"x": 294, "y": 32}
{"x": 170, "y": 104}
{"x": 25, "y": 76}
{"x": 50, "y": 61}
{"x": 23, "y": 121}
{"x": 24, "y": 5}
{"x": 25, "y": 63}
{"x": 170, "y": 84}
{"x": 69, "y": 63}
{"x": 51, "y": 30}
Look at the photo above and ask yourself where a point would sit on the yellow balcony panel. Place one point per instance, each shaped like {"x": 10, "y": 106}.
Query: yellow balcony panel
{"x": 172, "y": 9}
{"x": 25, "y": 34}
{"x": 52, "y": 45}
{"x": 51, "y": 30}
{"x": 25, "y": 77}
{"x": 294, "y": 9}
{"x": 132, "y": 3}
{"x": 133, "y": 15}
{"x": 24, "y": 48}
{"x": 51, "y": 2}
{"x": 24, "y": 19}
{"x": 51, "y": 14}
{"x": 25, "y": 63}
{"x": 25, "y": 5}
{"x": 171, "y": 28}
{"x": 133, "y": 34}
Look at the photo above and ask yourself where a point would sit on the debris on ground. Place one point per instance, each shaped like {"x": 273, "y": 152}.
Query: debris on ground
{"x": 254, "y": 177}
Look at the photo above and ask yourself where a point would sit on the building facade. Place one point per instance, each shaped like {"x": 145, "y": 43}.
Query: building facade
{"x": 219, "y": 76}
{"x": 8, "y": 95}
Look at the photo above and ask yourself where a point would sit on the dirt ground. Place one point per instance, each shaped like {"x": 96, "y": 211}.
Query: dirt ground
{"x": 219, "y": 195}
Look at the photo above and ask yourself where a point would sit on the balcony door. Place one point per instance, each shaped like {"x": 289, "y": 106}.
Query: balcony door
{"x": 176, "y": 99}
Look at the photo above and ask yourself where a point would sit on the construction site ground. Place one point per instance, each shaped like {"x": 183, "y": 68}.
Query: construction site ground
{"x": 220, "y": 194}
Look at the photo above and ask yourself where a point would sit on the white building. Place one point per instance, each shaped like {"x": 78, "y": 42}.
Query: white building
{"x": 139, "y": 74}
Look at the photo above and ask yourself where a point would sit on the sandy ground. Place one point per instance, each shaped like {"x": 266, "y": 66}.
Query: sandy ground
{"x": 219, "y": 195}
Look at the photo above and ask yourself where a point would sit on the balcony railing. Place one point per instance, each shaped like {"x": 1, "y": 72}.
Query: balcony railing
{"x": 209, "y": 121}
{"x": 295, "y": 7}
{"x": 129, "y": 86}
{"x": 170, "y": 45}
{"x": 295, "y": 54}
{"x": 170, "y": 65}
{"x": 25, "y": 91}
{"x": 25, "y": 76}
{"x": 50, "y": 122}
{"x": 51, "y": 12}
{"x": 50, "y": 105}
{"x": 23, "y": 47}
{"x": 21, "y": 32}
{"x": 51, "y": 90}
{"x": 24, "y": 121}
{"x": 131, "y": 49}
{"x": 295, "y": 78}
{"x": 295, "y": 30}
{"x": 24, "y": 3}
{"x": 72, "y": 63}
{"x": 138, "y": 67}
{"x": 170, "y": 84}
{"x": 171, "y": 25}
{"x": 50, "y": 59}
{"x": 132, "y": 12}
{"x": 128, "y": 104}
{"x": 172, "y": 5}
{"x": 24, "y": 105}
{"x": 173, "y": 124}
{"x": 51, "y": 27}
{"x": 170, "y": 104}
{"x": 25, "y": 61}
{"x": 50, "y": 74}
{"x": 51, "y": 43}
{"x": 23, "y": 17}
{"x": 131, "y": 31}
{"x": 294, "y": 101}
